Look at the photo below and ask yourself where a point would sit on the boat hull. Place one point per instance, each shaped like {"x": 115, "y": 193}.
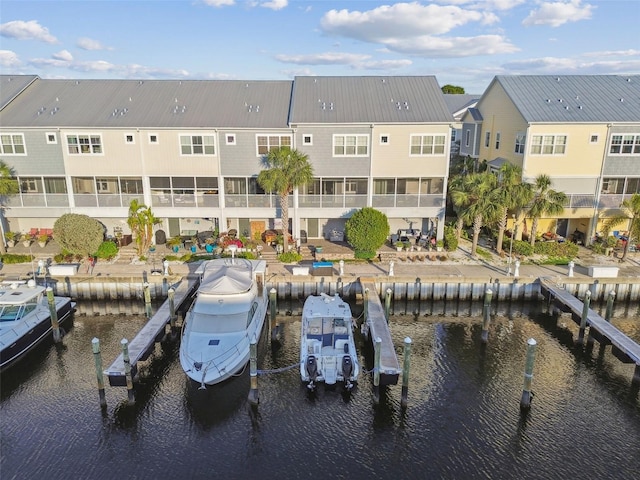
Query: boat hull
{"x": 327, "y": 347}
{"x": 228, "y": 312}
{"x": 38, "y": 331}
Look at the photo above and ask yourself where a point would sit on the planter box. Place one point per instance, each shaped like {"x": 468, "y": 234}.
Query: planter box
{"x": 603, "y": 271}
{"x": 322, "y": 268}
{"x": 301, "y": 270}
{"x": 63, "y": 269}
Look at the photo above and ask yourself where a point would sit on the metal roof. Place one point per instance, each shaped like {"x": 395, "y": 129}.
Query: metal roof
{"x": 12, "y": 85}
{"x": 151, "y": 104}
{"x": 368, "y": 99}
{"x": 458, "y": 103}
{"x": 574, "y": 98}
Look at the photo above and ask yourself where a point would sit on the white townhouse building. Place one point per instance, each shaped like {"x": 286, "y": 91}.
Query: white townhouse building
{"x": 192, "y": 150}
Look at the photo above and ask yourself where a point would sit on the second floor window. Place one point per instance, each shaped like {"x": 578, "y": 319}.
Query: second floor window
{"x": 84, "y": 144}
{"x": 197, "y": 145}
{"x": 427, "y": 144}
{"x": 266, "y": 143}
{"x": 350, "y": 145}
{"x": 625, "y": 145}
{"x": 548, "y": 144}
{"x": 520, "y": 140}
{"x": 12, "y": 144}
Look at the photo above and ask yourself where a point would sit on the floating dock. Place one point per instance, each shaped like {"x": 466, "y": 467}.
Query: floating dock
{"x": 154, "y": 331}
{"x": 376, "y": 326}
{"x": 622, "y": 347}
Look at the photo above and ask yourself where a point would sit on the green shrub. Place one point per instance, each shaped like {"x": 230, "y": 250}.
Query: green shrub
{"x": 555, "y": 249}
{"x": 10, "y": 258}
{"x": 450, "y": 239}
{"x": 107, "y": 250}
{"x": 366, "y": 231}
{"x": 78, "y": 234}
{"x": 290, "y": 257}
{"x": 520, "y": 247}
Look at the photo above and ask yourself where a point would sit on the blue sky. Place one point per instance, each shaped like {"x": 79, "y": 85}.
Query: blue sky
{"x": 461, "y": 42}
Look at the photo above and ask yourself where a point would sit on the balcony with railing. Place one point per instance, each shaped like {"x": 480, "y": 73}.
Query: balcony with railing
{"x": 38, "y": 200}
{"x": 332, "y": 201}
{"x": 408, "y": 201}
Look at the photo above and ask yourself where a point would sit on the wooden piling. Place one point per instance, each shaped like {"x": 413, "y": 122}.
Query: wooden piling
{"x": 610, "y": 299}
{"x": 365, "y": 302}
{"x": 171, "y": 293}
{"x": 405, "y": 372}
{"x": 377, "y": 347}
{"x": 273, "y": 315}
{"x": 55, "y": 326}
{"x": 585, "y": 314}
{"x": 486, "y": 315}
{"x": 147, "y": 299}
{"x": 387, "y": 304}
{"x": 97, "y": 357}
{"x": 525, "y": 401}
{"x": 127, "y": 370}
{"x": 254, "y": 397}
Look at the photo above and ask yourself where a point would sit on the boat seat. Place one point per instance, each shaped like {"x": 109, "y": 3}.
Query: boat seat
{"x": 315, "y": 337}
{"x": 327, "y": 340}
{"x": 342, "y": 345}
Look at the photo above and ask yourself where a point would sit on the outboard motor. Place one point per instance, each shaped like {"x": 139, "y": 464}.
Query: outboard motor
{"x": 347, "y": 370}
{"x": 312, "y": 370}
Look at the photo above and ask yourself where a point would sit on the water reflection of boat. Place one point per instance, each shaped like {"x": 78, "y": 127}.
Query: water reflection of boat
{"x": 25, "y": 319}
{"x": 327, "y": 347}
{"x": 228, "y": 311}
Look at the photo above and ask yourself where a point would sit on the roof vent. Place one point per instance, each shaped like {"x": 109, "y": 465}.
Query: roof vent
{"x": 622, "y": 99}
{"x": 567, "y": 107}
{"x": 77, "y": 82}
{"x": 140, "y": 82}
{"x": 580, "y": 107}
{"x": 548, "y": 100}
{"x": 557, "y": 79}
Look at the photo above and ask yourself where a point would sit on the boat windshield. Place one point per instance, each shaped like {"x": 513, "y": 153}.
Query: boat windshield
{"x": 203, "y": 323}
{"x": 10, "y": 313}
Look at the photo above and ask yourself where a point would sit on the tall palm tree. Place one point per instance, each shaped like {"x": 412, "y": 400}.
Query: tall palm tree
{"x": 511, "y": 194}
{"x": 474, "y": 200}
{"x": 629, "y": 211}
{"x": 8, "y": 187}
{"x": 545, "y": 201}
{"x": 141, "y": 222}
{"x": 285, "y": 169}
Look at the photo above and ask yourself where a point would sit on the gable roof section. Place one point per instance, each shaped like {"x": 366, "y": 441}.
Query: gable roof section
{"x": 151, "y": 104}
{"x": 574, "y": 98}
{"x": 459, "y": 103}
{"x": 368, "y": 99}
{"x": 12, "y": 85}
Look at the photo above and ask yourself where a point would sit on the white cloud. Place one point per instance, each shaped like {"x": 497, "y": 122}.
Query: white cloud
{"x": 353, "y": 60}
{"x": 452, "y": 47}
{"x": 328, "y": 58}
{"x": 9, "y": 58}
{"x": 558, "y": 13}
{"x": 401, "y": 20}
{"x": 30, "y": 30}
{"x": 90, "y": 44}
{"x": 219, "y": 3}
{"x": 63, "y": 55}
{"x": 275, "y": 4}
{"x": 614, "y": 53}
{"x": 557, "y": 65}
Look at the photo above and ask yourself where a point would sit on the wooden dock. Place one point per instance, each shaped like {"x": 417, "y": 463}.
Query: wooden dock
{"x": 376, "y": 326}
{"x": 625, "y": 349}
{"x": 154, "y": 331}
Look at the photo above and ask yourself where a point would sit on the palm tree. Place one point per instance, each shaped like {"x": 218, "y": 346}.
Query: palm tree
{"x": 473, "y": 197}
{"x": 286, "y": 169}
{"x": 511, "y": 194}
{"x": 630, "y": 211}
{"x": 141, "y": 221}
{"x": 545, "y": 201}
{"x": 8, "y": 187}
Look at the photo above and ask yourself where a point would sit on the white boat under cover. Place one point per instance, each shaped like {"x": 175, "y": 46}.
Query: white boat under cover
{"x": 327, "y": 348}
{"x": 228, "y": 312}
{"x": 25, "y": 318}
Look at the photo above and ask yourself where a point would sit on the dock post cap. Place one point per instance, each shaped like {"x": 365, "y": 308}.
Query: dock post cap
{"x": 532, "y": 342}
{"x": 95, "y": 340}
{"x": 489, "y": 291}
{"x": 124, "y": 341}
{"x": 378, "y": 340}
{"x": 407, "y": 340}
{"x": 273, "y": 290}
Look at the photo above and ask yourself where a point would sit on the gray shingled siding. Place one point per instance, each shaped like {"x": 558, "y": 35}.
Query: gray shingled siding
{"x": 321, "y": 152}
{"x": 41, "y": 159}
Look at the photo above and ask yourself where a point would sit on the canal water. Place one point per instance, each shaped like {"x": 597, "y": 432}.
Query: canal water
{"x": 463, "y": 419}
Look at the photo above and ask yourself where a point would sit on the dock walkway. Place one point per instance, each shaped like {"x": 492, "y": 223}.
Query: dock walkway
{"x": 153, "y": 331}
{"x": 376, "y": 325}
{"x": 573, "y": 305}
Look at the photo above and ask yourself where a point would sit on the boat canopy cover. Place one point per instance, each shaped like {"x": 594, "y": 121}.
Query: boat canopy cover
{"x": 227, "y": 280}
